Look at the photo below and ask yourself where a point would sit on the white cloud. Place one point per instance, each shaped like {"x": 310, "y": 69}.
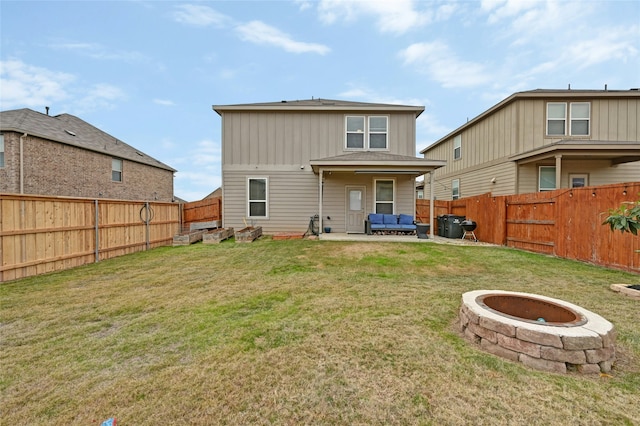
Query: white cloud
{"x": 397, "y": 16}
{"x": 203, "y": 176}
{"x": 100, "y": 96}
{"x": 303, "y": 4}
{"x": 611, "y": 44}
{"x": 25, "y": 85}
{"x": 163, "y": 102}
{"x": 442, "y": 65}
{"x": 98, "y": 51}
{"x": 260, "y": 33}
{"x": 507, "y": 9}
{"x": 200, "y": 16}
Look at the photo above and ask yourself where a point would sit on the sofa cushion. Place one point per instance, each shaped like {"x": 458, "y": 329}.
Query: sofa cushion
{"x": 405, "y": 219}
{"x": 408, "y": 227}
{"x": 375, "y": 218}
{"x": 390, "y": 219}
{"x": 378, "y": 226}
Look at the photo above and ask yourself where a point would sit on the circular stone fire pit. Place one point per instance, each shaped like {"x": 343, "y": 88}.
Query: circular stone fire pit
{"x": 540, "y": 332}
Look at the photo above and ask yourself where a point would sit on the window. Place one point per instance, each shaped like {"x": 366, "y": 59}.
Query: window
{"x": 116, "y": 170}
{"x": 355, "y": 132}
{"x": 578, "y": 180}
{"x": 455, "y": 189}
{"x": 367, "y": 132}
{"x": 384, "y": 196}
{"x": 580, "y": 117}
{"x": 378, "y": 132}
{"x": 556, "y": 118}
{"x": 257, "y": 197}
{"x": 580, "y": 113}
{"x": 1, "y": 150}
{"x": 457, "y": 147}
{"x": 547, "y": 178}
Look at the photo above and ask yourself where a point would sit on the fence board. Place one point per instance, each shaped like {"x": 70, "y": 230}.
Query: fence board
{"x": 45, "y": 234}
{"x": 206, "y": 210}
{"x": 565, "y": 222}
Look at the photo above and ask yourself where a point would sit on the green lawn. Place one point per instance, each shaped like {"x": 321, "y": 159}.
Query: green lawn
{"x": 298, "y": 332}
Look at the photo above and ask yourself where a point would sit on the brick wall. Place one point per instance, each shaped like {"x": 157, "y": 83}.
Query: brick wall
{"x": 52, "y": 168}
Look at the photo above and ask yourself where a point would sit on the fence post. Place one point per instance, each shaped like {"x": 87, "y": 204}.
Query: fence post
{"x": 97, "y": 220}
{"x": 147, "y": 219}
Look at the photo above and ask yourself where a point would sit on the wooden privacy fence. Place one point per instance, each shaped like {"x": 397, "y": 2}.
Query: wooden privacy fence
{"x": 44, "y": 234}
{"x": 206, "y": 210}
{"x": 565, "y": 223}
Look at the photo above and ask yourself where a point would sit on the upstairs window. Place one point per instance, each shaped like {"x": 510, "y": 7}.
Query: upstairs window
{"x": 367, "y": 132}
{"x": 355, "y": 132}
{"x": 455, "y": 189}
{"x": 378, "y": 132}
{"x": 579, "y": 118}
{"x": 1, "y": 150}
{"x": 457, "y": 147}
{"x": 257, "y": 197}
{"x": 556, "y": 118}
{"x": 116, "y": 170}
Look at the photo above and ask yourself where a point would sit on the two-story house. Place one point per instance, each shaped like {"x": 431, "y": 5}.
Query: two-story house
{"x": 63, "y": 155}
{"x": 284, "y": 162}
{"x": 542, "y": 140}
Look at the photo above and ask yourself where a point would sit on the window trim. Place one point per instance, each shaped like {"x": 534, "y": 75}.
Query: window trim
{"x": 265, "y": 201}
{"x": 113, "y": 170}
{"x": 568, "y": 119}
{"x": 457, "y": 147}
{"x": 366, "y": 133}
{"x": 564, "y": 119}
{"x": 584, "y": 176}
{"x": 540, "y": 189}
{"x": 455, "y": 185}
{"x": 375, "y": 194}
{"x": 572, "y": 119}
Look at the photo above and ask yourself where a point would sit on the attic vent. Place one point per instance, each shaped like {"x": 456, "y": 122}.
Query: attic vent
{"x": 70, "y": 132}
{"x": 140, "y": 154}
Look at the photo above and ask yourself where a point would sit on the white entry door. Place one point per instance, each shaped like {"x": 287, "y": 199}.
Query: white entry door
{"x": 355, "y": 203}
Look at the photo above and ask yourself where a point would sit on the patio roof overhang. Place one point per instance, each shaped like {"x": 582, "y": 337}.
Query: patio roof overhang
{"x": 376, "y": 163}
{"x": 617, "y": 152}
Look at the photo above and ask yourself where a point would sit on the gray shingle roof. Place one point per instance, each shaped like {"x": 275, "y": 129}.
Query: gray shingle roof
{"x": 321, "y": 105}
{"x": 71, "y": 130}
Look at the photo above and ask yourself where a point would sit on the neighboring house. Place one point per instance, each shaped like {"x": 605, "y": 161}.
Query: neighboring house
{"x": 64, "y": 156}
{"x": 542, "y": 140}
{"x": 215, "y": 194}
{"x": 284, "y": 162}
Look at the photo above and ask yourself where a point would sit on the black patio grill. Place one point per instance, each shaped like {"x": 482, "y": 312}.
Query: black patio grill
{"x": 468, "y": 227}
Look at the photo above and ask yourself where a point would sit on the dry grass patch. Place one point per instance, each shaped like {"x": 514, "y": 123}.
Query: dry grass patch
{"x": 297, "y": 332}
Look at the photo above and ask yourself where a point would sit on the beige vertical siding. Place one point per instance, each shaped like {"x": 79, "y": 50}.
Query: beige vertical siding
{"x": 272, "y": 138}
{"x": 520, "y": 127}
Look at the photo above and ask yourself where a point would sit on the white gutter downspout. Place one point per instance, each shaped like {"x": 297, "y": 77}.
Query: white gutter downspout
{"x": 431, "y": 207}
{"x": 22, "y": 163}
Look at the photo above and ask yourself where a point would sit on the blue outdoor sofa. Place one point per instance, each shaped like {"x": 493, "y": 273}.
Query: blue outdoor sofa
{"x": 389, "y": 224}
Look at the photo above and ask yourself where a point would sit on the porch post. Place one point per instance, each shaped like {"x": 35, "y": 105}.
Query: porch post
{"x": 558, "y": 170}
{"x": 431, "y": 207}
{"x": 320, "y": 175}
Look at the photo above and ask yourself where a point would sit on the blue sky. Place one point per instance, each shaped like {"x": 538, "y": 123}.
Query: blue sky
{"x": 148, "y": 72}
